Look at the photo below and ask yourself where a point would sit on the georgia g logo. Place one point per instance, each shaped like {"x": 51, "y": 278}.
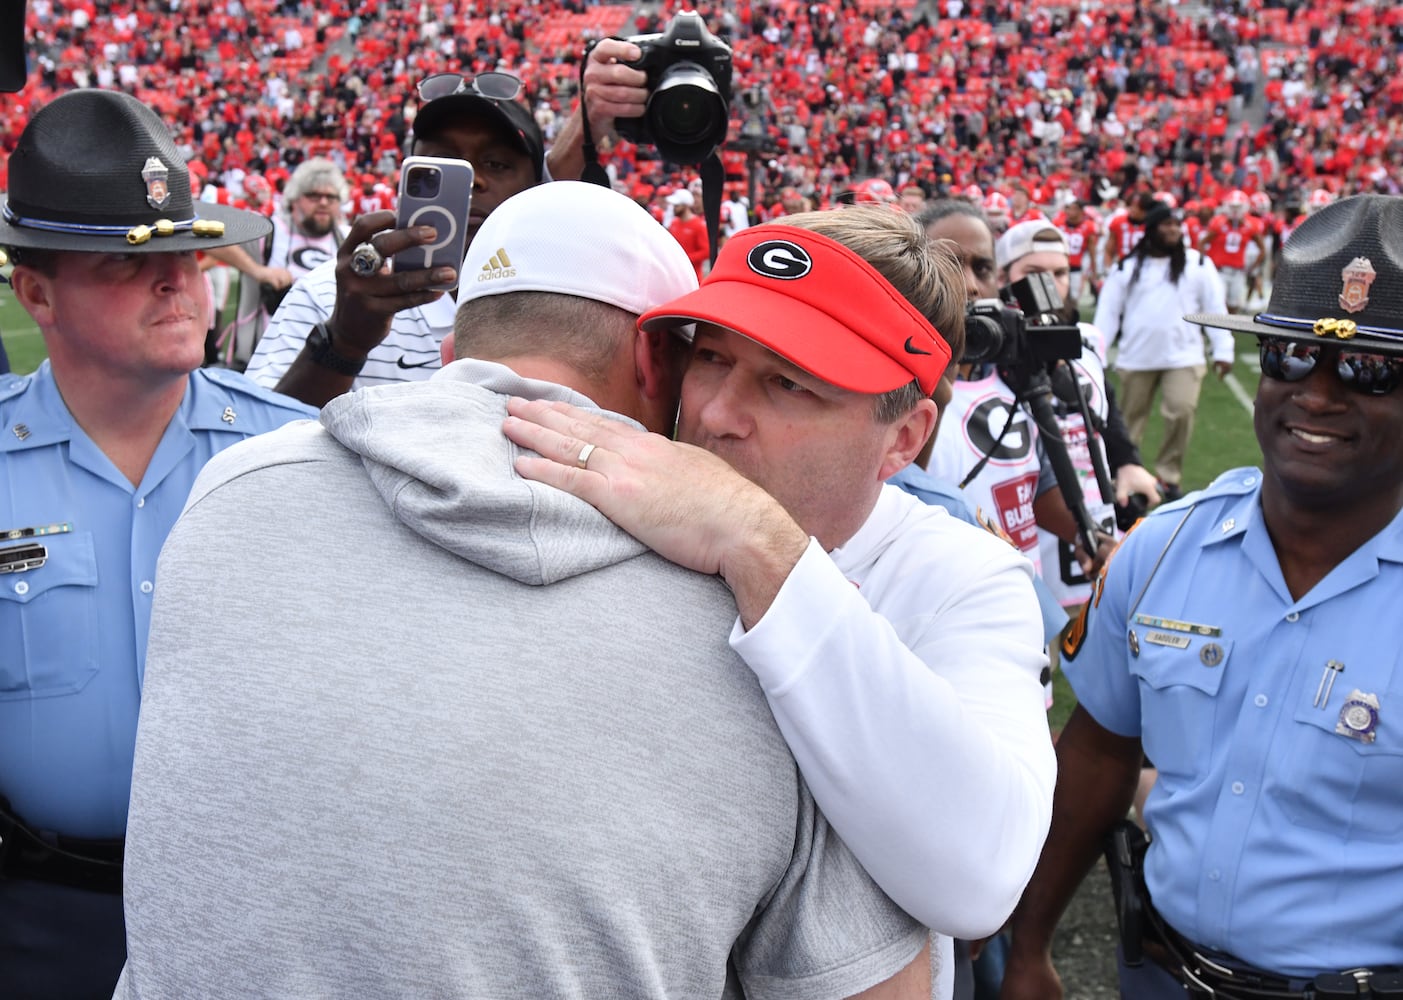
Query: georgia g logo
{"x": 779, "y": 259}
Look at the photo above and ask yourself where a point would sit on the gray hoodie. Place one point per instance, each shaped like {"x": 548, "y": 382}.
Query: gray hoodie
{"x": 378, "y": 758}
{"x": 438, "y": 459}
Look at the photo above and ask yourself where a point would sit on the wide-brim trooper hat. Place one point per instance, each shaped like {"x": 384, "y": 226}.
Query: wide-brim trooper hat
{"x": 97, "y": 171}
{"x": 1340, "y": 278}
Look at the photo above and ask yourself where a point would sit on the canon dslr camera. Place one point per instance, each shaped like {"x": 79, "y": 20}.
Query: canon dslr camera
{"x": 689, "y": 91}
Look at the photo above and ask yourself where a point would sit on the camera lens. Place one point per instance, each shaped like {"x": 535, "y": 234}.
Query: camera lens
{"x": 423, "y": 182}
{"x": 984, "y": 332}
{"x": 686, "y": 114}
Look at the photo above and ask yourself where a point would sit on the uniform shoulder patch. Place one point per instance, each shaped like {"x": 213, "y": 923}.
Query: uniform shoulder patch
{"x": 1075, "y": 633}
{"x": 992, "y": 526}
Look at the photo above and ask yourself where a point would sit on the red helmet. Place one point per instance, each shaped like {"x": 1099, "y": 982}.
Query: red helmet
{"x": 873, "y": 192}
{"x": 996, "y": 204}
{"x": 1165, "y": 198}
{"x": 257, "y": 188}
{"x": 1261, "y": 203}
{"x": 1237, "y": 203}
{"x": 1319, "y": 198}
{"x": 974, "y": 193}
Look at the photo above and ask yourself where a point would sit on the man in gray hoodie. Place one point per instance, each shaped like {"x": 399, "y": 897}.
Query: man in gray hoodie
{"x": 552, "y": 777}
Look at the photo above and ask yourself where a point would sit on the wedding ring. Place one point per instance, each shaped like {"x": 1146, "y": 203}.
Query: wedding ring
{"x": 366, "y": 260}
{"x": 585, "y": 452}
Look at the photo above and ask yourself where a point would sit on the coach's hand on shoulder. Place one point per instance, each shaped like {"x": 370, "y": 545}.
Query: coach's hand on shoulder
{"x": 365, "y": 304}
{"x": 681, "y": 501}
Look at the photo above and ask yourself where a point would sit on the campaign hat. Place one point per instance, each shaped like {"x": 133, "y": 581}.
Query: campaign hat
{"x": 97, "y": 171}
{"x": 1340, "y": 278}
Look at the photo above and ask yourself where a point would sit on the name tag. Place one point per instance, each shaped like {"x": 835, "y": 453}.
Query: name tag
{"x": 19, "y": 558}
{"x": 1168, "y": 639}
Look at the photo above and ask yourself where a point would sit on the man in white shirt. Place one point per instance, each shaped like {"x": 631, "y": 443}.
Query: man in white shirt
{"x": 1141, "y": 308}
{"x": 900, "y": 649}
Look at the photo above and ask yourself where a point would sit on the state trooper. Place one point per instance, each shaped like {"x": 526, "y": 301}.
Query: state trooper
{"x": 1235, "y": 638}
{"x": 98, "y": 450}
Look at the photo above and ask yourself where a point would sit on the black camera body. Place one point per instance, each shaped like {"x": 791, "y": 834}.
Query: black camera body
{"x": 999, "y": 334}
{"x": 689, "y": 91}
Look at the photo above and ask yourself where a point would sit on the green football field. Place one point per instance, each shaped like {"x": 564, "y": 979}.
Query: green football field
{"x": 21, "y": 336}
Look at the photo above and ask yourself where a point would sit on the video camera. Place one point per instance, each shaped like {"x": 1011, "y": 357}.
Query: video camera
{"x": 1024, "y": 338}
{"x": 1026, "y": 345}
{"x": 689, "y": 91}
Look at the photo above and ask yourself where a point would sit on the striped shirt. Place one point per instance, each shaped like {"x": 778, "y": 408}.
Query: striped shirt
{"x": 409, "y": 353}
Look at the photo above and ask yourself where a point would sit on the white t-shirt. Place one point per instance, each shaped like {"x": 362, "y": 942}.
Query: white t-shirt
{"x": 1006, "y": 487}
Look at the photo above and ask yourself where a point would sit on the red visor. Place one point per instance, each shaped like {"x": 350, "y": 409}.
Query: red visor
{"x": 817, "y": 304}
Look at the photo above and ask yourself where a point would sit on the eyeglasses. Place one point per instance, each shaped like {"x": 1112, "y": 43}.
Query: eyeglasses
{"x": 492, "y": 85}
{"x": 1368, "y": 374}
{"x": 321, "y": 196}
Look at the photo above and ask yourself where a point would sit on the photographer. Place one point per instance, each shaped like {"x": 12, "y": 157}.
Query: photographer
{"x": 382, "y": 328}
{"x": 985, "y": 436}
{"x": 1036, "y": 247}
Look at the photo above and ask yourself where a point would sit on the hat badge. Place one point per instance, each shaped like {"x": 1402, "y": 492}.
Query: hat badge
{"x": 157, "y": 177}
{"x": 1358, "y": 275}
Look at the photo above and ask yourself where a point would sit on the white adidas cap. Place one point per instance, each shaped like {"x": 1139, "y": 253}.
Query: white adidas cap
{"x": 580, "y": 239}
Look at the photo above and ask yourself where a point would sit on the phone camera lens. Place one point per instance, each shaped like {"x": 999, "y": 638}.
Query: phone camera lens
{"x": 423, "y": 182}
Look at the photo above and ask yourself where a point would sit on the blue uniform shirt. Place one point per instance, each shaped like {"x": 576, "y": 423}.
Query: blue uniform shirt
{"x": 1277, "y": 837}
{"x": 73, "y": 631}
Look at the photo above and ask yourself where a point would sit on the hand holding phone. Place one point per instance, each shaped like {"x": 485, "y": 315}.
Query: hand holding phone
{"x": 435, "y": 191}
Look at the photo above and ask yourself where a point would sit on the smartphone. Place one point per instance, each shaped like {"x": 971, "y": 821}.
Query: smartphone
{"x": 435, "y": 191}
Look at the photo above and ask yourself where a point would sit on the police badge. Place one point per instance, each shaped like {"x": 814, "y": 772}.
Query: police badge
{"x": 1359, "y": 717}
{"x": 157, "y": 176}
{"x": 1358, "y": 275}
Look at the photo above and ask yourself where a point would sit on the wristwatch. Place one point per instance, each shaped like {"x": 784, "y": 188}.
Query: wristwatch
{"x": 324, "y": 354}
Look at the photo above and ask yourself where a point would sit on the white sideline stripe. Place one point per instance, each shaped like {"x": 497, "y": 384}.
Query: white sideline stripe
{"x": 16, "y": 332}
{"x": 1235, "y": 387}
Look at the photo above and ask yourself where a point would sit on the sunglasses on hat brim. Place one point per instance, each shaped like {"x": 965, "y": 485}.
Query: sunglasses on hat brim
{"x": 492, "y": 85}
{"x": 1367, "y": 373}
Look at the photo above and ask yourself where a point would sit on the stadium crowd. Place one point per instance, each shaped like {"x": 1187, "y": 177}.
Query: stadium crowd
{"x": 1088, "y": 100}
{"x": 1166, "y": 151}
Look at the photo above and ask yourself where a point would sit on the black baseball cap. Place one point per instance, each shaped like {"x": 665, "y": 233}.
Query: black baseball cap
{"x": 511, "y": 115}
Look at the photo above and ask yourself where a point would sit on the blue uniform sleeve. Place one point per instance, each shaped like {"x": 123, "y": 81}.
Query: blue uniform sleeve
{"x": 1096, "y": 652}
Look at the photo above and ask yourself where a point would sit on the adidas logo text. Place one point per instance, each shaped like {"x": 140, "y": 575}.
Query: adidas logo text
{"x": 499, "y": 265}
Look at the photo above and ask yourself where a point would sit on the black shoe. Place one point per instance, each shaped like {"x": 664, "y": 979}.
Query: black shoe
{"x": 1170, "y": 491}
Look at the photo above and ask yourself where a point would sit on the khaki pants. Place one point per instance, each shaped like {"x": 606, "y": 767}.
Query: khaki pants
{"x": 1178, "y": 402}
